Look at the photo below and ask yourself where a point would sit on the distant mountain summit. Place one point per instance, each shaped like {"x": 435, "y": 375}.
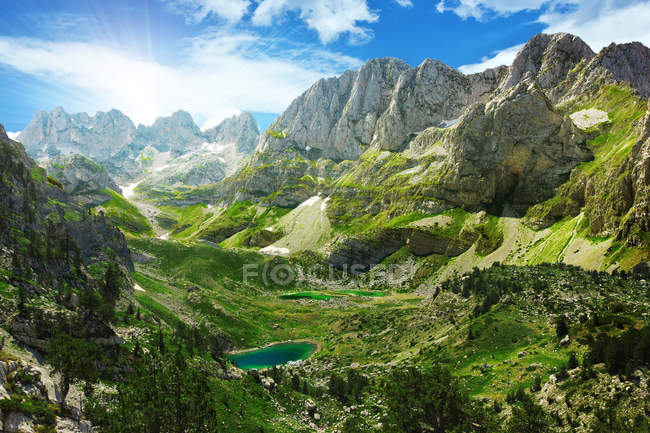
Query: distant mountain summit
{"x": 111, "y": 138}
{"x": 57, "y": 132}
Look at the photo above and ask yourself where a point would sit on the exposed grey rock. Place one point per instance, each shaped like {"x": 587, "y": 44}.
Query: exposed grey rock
{"x": 92, "y": 235}
{"x": 66, "y": 425}
{"x": 240, "y": 130}
{"x": 176, "y": 134}
{"x": 81, "y": 177}
{"x": 98, "y": 137}
{"x": 268, "y": 383}
{"x": 617, "y": 63}
{"x": 515, "y": 147}
{"x": 547, "y": 59}
{"x": 112, "y": 139}
{"x": 383, "y": 104}
{"x": 17, "y": 422}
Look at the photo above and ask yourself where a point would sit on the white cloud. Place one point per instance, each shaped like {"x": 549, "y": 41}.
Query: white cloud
{"x": 196, "y": 11}
{"x": 601, "y": 22}
{"x": 216, "y": 74}
{"x": 597, "y": 22}
{"x": 480, "y": 9}
{"x": 502, "y": 57}
{"x": 330, "y": 18}
{"x": 404, "y": 3}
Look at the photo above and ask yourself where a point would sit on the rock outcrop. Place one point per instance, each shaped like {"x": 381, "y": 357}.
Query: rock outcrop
{"x": 98, "y": 137}
{"x": 113, "y": 141}
{"x": 240, "y": 130}
{"x": 515, "y": 148}
{"x": 547, "y": 59}
{"x": 384, "y": 104}
{"x": 34, "y": 203}
{"x": 81, "y": 177}
{"x": 637, "y": 191}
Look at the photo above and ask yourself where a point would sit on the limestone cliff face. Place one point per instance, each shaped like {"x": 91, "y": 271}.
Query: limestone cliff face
{"x": 636, "y": 187}
{"x": 98, "y": 137}
{"x": 384, "y": 104}
{"x": 113, "y": 141}
{"x": 516, "y": 148}
{"x": 547, "y": 59}
{"x": 240, "y": 130}
{"x": 175, "y": 134}
{"x": 81, "y": 177}
{"x": 28, "y": 202}
{"x": 616, "y": 63}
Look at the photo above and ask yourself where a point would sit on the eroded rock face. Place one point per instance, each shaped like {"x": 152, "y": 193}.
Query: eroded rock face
{"x": 240, "y": 130}
{"x": 383, "y": 104}
{"x": 638, "y": 183}
{"x": 112, "y": 140}
{"x": 176, "y": 134}
{"x": 515, "y": 147}
{"x": 81, "y": 177}
{"x": 616, "y": 63}
{"x": 28, "y": 195}
{"x": 547, "y": 59}
{"x": 98, "y": 137}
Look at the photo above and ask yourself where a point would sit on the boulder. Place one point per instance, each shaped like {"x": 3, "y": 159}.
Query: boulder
{"x": 268, "y": 383}
{"x": 17, "y": 422}
{"x": 310, "y": 406}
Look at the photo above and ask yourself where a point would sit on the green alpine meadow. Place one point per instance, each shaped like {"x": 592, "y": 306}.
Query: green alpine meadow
{"x": 400, "y": 247}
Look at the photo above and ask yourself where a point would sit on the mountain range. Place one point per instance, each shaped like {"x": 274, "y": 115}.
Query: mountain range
{"x": 435, "y": 251}
{"x": 111, "y": 139}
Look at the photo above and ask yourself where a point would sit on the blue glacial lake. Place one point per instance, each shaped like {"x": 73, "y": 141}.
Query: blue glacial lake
{"x": 270, "y": 356}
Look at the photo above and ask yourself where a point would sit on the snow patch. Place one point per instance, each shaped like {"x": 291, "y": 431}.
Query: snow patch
{"x": 584, "y": 119}
{"x": 162, "y": 167}
{"x": 215, "y": 147}
{"x": 13, "y": 135}
{"x": 308, "y": 148}
{"x": 270, "y": 229}
{"x": 274, "y": 251}
{"x": 128, "y": 191}
{"x": 448, "y": 123}
{"x": 323, "y": 205}
{"x": 164, "y": 236}
{"x": 310, "y": 201}
{"x": 137, "y": 288}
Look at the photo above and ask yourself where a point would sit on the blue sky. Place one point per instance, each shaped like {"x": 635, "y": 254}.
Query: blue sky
{"x": 215, "y": 58}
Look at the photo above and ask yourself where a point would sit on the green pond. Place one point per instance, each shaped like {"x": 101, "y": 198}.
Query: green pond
{"x": 276, "y": 354}
{"x": 327, "y": 296}
{"x": 306, "y": 295}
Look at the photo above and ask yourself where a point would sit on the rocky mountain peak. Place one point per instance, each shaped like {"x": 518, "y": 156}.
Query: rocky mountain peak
{"x": 548, "y": 58}
{"x": 99, "y": 137}
{"x": 626, "y": 62}
{"x": 81, "y": 177}
{"x": 240, "y": 130}
{"x": 3, "y": 133}
{"x": 382, "y": 105}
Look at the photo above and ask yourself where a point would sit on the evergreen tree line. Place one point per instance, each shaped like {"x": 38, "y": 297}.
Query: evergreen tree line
{"x": 622, "y": 353}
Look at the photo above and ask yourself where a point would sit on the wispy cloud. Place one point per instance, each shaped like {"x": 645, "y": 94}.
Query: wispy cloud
{"x": 484, "y": 9}
{"x": 329, "y": 18}
{"x": 196, "y": 11}
{"x": 216, "y": 74}
{"x": 597, "y": 22}
{"x": 502, "y": 57}
{"x": 404, "y": 3}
